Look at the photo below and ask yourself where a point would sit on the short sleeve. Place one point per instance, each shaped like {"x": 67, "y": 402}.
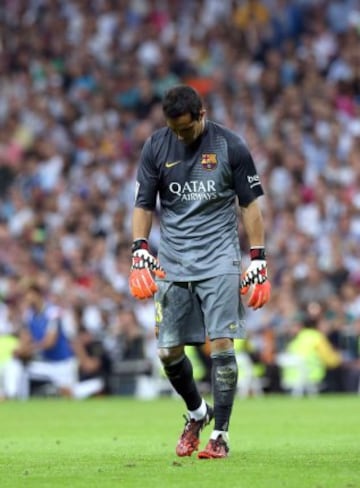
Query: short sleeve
{"x": 247, "y": 182}
{"x": 147, "y": 180}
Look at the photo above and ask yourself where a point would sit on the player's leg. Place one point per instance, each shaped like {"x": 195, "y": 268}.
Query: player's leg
{"x": 221, "y": 305}
{"x": 224, "y": 376}
{"x": 179, "y": 371}
{"x": 176, "y": 308}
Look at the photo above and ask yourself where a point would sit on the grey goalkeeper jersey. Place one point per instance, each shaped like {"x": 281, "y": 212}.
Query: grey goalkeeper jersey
{"x": 197, "y": 185}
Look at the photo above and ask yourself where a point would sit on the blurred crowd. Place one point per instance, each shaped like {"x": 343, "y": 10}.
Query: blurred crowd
{"x": 81, "y": 83}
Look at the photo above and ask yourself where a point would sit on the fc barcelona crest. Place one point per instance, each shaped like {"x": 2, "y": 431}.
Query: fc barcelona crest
{"x": 209, "y": 161}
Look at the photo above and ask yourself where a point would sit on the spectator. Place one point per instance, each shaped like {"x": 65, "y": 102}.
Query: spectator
{"x": 44, "y": 349}
{"x": 44, "y": 352}
{"x": 127, "y": 353}
{"x": 9, "y": 372}
{"x": 93, "y": 359}
{"x": 317, "y": 363}
{"x": 315, "y": 287}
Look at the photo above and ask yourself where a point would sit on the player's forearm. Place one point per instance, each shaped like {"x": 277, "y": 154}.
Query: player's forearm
{"x": 141, "y": 223}
{"x": 253, "y": 224}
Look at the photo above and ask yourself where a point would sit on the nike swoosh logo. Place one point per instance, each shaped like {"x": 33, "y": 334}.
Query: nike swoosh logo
{"x": 170, "y": 165}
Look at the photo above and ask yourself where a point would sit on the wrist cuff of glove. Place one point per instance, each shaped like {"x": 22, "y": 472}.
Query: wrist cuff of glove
{"x": 257, "y": 253}
{"x": 139, "y": 244}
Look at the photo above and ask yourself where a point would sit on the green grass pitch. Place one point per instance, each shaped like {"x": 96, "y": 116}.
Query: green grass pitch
{"x": 276, "y": 441}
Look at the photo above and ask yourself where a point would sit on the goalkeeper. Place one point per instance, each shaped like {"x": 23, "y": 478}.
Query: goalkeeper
{"x": 198, "y": 169}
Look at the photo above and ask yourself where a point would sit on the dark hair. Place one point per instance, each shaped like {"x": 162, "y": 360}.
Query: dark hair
{"x": 36, "y": 288}
{"x": 180, "y": 100}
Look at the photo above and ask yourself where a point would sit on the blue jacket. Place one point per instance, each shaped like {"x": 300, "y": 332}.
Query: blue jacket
{"x": 39, "y": 323}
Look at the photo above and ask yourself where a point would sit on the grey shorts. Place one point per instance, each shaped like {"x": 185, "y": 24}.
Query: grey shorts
{"x": 188, "y": 312}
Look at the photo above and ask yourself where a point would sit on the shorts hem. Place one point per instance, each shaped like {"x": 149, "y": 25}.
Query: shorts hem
{"x": 193, "y": 342}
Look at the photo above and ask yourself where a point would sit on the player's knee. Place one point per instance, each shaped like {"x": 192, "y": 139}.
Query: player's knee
{"x": 221, "y": 344}
{"x": 168, "y": 355}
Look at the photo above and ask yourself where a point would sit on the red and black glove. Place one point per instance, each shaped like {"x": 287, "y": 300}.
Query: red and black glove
{"x": 143, "y": 269}
{"x": 256, "y": 280}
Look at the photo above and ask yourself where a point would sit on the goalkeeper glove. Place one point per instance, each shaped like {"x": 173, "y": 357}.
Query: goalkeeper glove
{"x": 143, "y": 268}
{"x": 255, "y": 279}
